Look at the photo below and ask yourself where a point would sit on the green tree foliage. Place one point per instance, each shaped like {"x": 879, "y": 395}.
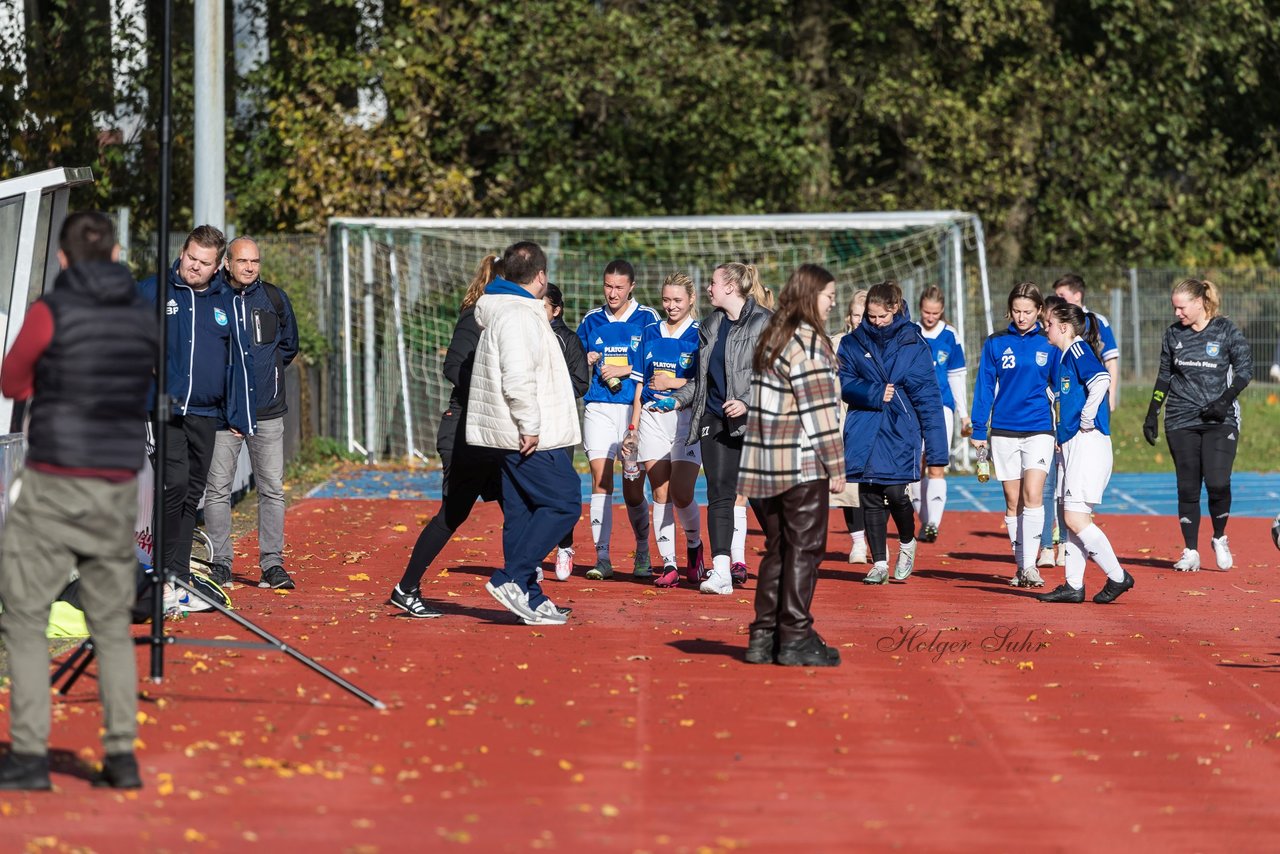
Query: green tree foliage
{"x": 1082, "y": 131}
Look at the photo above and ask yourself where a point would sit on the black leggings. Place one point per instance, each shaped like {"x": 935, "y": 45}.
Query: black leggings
{"x": 880, "y": 501}
{"x": 1203, "y": 454}
{"x": 721, "y": 457}
{"x": 854, "y": 519}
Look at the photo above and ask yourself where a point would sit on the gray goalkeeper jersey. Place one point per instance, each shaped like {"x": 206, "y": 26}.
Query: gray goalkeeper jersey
{"x": 1199, "y": 366}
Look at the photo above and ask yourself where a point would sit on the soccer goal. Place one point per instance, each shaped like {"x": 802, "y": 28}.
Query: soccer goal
{"x": 396, "y": 285}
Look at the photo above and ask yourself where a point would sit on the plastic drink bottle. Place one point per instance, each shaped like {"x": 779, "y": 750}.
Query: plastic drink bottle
{"x": 630, "y": 452}
{"x": 984, "y": 467}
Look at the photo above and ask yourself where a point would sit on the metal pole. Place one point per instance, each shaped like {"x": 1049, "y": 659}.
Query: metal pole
{"x": 158, "y": 535}
{"x": 210, "y": 162}
{"x": 370, "y": 356}
{"x": 980, "y": 239}
{"x": 1135, "y": 323}
{"x": 348, "y": 366}
{"x": 122, "y": 233}
{"x": 411, "y": 450}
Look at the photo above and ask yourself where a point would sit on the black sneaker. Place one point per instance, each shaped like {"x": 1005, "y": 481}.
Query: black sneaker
{"x": 810, "y": 652}
{"x": 25, "y": 772}
{"x": 1112, "y": 589}
{"x": 221, "y": 574}
{"x": 119, "y": 771}
{"x": 762, "y": 648}
{"x": 411, "y": 603}
{"x": 1063, "y": 593}
{"x": 275, "y": 578}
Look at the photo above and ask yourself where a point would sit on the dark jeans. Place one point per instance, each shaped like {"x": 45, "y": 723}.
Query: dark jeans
{"x": 721, "y": 457}
{"x": 470, "y": 474}
{"x": 879, "y": 501}
{"x": 1203, "y": 454}
{"x": 795, "y": 539}
{"x": 541, "y": 499}
{"x": 189, "y": 442}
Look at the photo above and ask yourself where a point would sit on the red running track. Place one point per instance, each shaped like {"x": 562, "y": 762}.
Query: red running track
{"x": 1148, "y": 725}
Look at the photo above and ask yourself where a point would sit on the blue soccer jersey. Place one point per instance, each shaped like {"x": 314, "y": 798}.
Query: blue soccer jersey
{"x": 1074, "y": 374}
{"x": 948, "y": 358}
{"x": 1110, "y": 350}
{"x": 618, "y": 343}
{"x": 662, "y": 350}
{"x": 1011, "y": 394}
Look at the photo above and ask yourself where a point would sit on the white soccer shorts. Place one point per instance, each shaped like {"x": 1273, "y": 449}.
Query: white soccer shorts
{"x": 1012, "y": 455}
{"x": 603, "y": 426}
{"x": 1086, "y": 464}
{"x": 662, "y": 437}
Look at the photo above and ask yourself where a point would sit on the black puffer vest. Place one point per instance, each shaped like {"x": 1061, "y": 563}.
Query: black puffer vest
{"x": 92, "y": 381}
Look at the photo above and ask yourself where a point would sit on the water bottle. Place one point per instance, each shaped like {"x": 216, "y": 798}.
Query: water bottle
{"x": 630, "y": 451}
{"x": 984, "y": 467}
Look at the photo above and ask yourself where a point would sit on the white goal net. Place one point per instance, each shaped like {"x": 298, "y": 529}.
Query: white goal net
{"x": 396, "y": 285}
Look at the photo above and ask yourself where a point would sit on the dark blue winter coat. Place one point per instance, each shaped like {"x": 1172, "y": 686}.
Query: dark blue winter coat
{"x": 272, "y": 340}
{"x": 210, "y": 368}
{"x": 882, "y": 440}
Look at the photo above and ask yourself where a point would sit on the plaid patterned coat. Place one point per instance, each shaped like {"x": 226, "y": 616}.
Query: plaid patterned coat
{"x": 793, "y": 429}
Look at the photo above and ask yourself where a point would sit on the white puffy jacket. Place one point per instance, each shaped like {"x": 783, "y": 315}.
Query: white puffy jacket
{"x": 519, "y": 382}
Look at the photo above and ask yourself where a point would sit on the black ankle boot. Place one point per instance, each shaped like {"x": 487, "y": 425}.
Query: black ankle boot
{"x": 762, "y": 647}
{"x": 25, "y": 771}
{"x": 810, "y": 652}
{"x": 119, "y": 771}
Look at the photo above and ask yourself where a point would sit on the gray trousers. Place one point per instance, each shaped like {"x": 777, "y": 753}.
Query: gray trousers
{"x": 56, "y": 525}
{"x": 266, "y": 456}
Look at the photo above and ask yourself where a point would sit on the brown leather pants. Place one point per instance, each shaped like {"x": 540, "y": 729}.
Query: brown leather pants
{"x": 795, "y": 540}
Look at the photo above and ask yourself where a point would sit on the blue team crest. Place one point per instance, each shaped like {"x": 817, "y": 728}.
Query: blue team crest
{"x": 686, "y": 359}
{"x": 635, "y": 342}
{"x": 942, "y": 357}
{"x": 1212, "y": 349}
{"x": 1066, "y": 385}
{"x": 1042, "y": 359}
{"x": 220, "y": 316}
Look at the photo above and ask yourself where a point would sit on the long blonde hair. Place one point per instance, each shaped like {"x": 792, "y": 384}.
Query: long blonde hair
{"x": 490, "y": 268}
{"x": 745, "y": 278}
{"x": 1201, "y": 289}
{"x": 681, "y": 280}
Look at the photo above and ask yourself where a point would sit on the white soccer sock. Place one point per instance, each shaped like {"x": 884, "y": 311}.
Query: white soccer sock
{"x": 691, "y": 521}
{"x": 1098, "y": 547}
{"x": 738, "y": 546}
{"x": 858, "y": 536}
{"x": 664, "y": 522}
{"x": 1011, "y": 528}
{"x": 639, "y": 516}
{"x": 1032, "y": 522}
{"x": 601, "y": 521}
{"x": 936, "y": 502}
{"x": 1074, "y": 565}
{"x": 916, "y": 492}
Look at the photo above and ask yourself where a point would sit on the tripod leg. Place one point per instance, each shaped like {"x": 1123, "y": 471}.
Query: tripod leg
{"x": 80, "y": 660}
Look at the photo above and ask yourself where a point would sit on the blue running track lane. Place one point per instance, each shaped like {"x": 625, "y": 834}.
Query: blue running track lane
{"x": 1253, "y": 494}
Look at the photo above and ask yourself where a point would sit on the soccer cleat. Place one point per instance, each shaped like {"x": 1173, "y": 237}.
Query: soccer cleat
{"x": 810, "y": 652}
{"x": 695, "y": 571}
{"x": 119, "y": 771}
{"x": 1031, "y": 577}
{"x": 1189, "y": 562}
{"x": 669, "y": 577}
{"x": 739, "y": 572}
{"x": 1222, "y": 552}
{"x": 858, "y": 553}
{"x": 1016, "y": 581}
{"x": 718, "y": 583}
{"x": 220, "y": 574}
{"x": 602, "y": 571}
{"x": 411, "y": 603}
{"x": 547, "y": 614}
{"x": 564, "y": 564}
{"x": 275, "y": 578}
{"x": 1112, "y": 590}
{"x": 1046, "y": 557}
{"x": 643, "y": 566}
{"x": 906, "y": 561}
{"x": 879, "y": 573}
{"x": 510, "y": 596}
{"x": 928, "y": 534}
{"x": 25, "y": 772}
{"x": 1063, "y": 593}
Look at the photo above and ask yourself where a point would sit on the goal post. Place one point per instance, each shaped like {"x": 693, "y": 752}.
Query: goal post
{"x": 398, "y": 284}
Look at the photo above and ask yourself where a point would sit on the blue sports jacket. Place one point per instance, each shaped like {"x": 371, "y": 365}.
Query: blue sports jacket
{"x": 272, "y": 340}
{"x": 1011, "y": 395}
{"x": 210, "y": 368}
{"x": 882, "y": 440}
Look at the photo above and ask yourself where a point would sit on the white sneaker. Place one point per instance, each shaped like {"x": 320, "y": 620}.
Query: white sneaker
{"x": 191, "y": 604}
{"x": 720, "y": 583}
{"x": 1222, "y": 552}
{"x": 1046, "y": 557}
{"x": 564, "y": 564}
{"x": 546, "y": 614}
{"x": 879, "y": 573}
{"x": 1189, "y": 562}
{"x": 858, "y": 554}
{"x": 170, "y": 599}
{"x": 510, "y": 596}
{"x": 906, "y": 561}
{"x": 1031, "y": 577}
